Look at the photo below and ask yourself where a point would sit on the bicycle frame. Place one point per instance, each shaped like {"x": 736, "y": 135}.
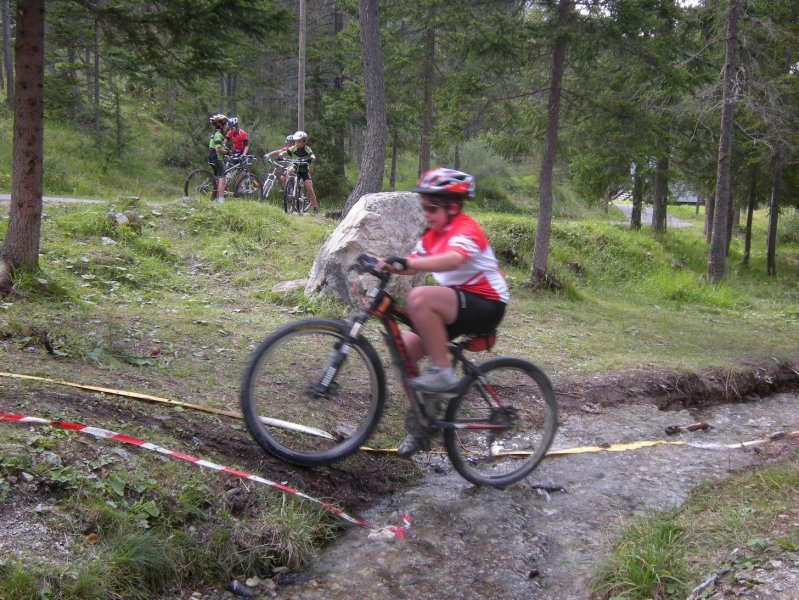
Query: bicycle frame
{"x": 383, "y": 307}
{"x": 292, "y": 191}
{"x": 271, "y": 176}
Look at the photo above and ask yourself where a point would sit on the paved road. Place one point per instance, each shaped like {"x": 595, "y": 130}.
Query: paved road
{"x": 646, "y": 216}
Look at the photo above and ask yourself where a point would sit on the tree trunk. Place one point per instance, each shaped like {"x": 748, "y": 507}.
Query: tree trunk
{"x": 338, "y": 85}
{"x": 21, "y": 247}
{"x": 373, "y": 163}
{"x": 773, "y": 215}
{"x": 710, "y": 210}
{"x": 717, "y": 257}
{"x": 118, "y": 121}
{"x": 7, "y": 52}
{"x": 427, "y": 97}
{"x": 750, "y": 210}
{"x": 661, "y": 196}
{"x": 730, "y": 213}
{"x": 392, "y": 178}
{"x": 638, "y": 198}
{"x": 222, "y": 93}
{"x": 96, "y": 90}
{"x": 232, "y": 90}
{"x": 301, "y": 69}
{"x": 73, "y": 74}
{"x": 538, "y": 270}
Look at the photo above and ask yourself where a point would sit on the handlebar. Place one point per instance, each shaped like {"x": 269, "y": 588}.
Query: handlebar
{"x": 241, "y": 158}
{"x": 366, "y": 263}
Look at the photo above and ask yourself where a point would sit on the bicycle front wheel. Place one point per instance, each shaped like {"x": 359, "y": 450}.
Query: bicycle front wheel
{"x": 504, "y": 424}
{"x": 248, "y": 187}
{"x": 288, "y": 195}
{"x": 267, "y": 187}
{"x": 293, "y": 405}
{"x": 303, "y": 204}
{"x": 200, "y": 183}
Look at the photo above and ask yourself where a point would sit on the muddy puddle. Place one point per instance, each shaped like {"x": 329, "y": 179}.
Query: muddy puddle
{"x": 476, "y": 543}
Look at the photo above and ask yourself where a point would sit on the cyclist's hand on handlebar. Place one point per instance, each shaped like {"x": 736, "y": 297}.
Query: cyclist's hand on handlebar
{"x": 393, "y": 264}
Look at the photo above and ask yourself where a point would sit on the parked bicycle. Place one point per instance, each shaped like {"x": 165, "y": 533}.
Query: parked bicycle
{"x": 295, "y": 199}
{"x": 276, "y": 170}
{"x": 240, "y": 182}
{"x": 314, "y": 391}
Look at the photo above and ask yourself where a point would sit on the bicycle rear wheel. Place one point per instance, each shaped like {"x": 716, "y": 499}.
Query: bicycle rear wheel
{"x": 200, "y": 183}
{"x": 290, "y": 407}
{"x": 516, "y": 398}
{"x": 248, "y": 187}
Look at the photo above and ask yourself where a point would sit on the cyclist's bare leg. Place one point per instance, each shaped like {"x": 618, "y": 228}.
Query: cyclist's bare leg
{"x": 308, "y": 184}
{"x": 431, "y": 308}
{"x": 282, "y": 179}
{"x": 220, "y": 187}
{"x": 414, "y": 346}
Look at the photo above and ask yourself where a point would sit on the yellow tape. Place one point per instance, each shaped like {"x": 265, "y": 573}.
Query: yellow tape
{"x": 135, "y": 395}
{"x": 561, "y": 452}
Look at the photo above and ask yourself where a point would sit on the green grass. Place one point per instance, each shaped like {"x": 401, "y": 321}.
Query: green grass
{"x": 667, "y": 554}
{"x": 137, "y": 531}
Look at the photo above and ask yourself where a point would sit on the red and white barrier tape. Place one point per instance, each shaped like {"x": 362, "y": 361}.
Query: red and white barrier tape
{"x": 386, "y": 531}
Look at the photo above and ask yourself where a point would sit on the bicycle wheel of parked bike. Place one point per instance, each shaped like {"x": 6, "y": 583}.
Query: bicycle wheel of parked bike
{"x": 288, "y": 195}
{"x": 200, "y": 184}
{"x": 519, "y": 401}
{"x": 303, "y": 204}
{"x": 267, "y": 186}
{"x": 248, "y": 187}
{"x": 294, "y": 409}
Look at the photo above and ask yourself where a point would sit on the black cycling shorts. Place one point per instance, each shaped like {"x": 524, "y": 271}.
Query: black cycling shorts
{"x": 476, "y": 315}
{"x": 216, "y": 164}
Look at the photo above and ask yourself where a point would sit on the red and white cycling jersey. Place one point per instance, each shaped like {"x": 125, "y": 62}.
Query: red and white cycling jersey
{"x": 479, "y": 274}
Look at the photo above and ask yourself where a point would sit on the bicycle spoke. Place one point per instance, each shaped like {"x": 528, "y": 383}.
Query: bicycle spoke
{"x": 507, "y": 425}
{"x": 288, "y": 410}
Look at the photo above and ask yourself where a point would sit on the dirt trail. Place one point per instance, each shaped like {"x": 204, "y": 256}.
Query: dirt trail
{"x": 467, "y": 543}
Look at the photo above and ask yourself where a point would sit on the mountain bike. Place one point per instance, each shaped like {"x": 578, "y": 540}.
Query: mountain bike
{"x": 201, "y": 183}
{"x": 277, "y": 169}
{"x": 314, "y": 391}
{"x": 295, "y": 199}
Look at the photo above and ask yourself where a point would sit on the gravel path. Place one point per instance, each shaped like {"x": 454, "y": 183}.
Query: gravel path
{"x": 476, "y": 543}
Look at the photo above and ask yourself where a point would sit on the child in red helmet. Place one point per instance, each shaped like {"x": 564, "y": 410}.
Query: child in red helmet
{"x": 472, "y": 292}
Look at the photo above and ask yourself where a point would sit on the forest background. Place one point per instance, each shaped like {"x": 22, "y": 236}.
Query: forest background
{"x": 599, "y": 96}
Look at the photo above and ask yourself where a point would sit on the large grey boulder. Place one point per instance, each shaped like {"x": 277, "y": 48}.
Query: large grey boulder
{"x": 379, "y": 224}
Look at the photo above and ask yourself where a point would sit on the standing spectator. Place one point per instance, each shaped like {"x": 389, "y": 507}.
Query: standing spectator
{"x": 216, "y": 153}
{"x": 299, "y": 151}
{"x": 237, "y": 137}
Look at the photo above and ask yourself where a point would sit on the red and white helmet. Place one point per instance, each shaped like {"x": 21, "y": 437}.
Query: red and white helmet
{"x": 446, "y": 182}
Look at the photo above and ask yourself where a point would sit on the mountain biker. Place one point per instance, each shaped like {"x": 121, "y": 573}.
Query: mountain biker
{"x": 300, "y": 151}
{"x": 287, "y": 143}
{"x": 237, "y": 137}
{"x": 472, "y": 293}
{"x": 216, "y": 153}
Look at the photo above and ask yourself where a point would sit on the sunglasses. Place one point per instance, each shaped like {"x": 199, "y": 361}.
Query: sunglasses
{"x": 431, "y": 208}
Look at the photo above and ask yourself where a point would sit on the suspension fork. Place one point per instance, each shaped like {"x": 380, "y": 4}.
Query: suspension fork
{"x": 341, "y": 349}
